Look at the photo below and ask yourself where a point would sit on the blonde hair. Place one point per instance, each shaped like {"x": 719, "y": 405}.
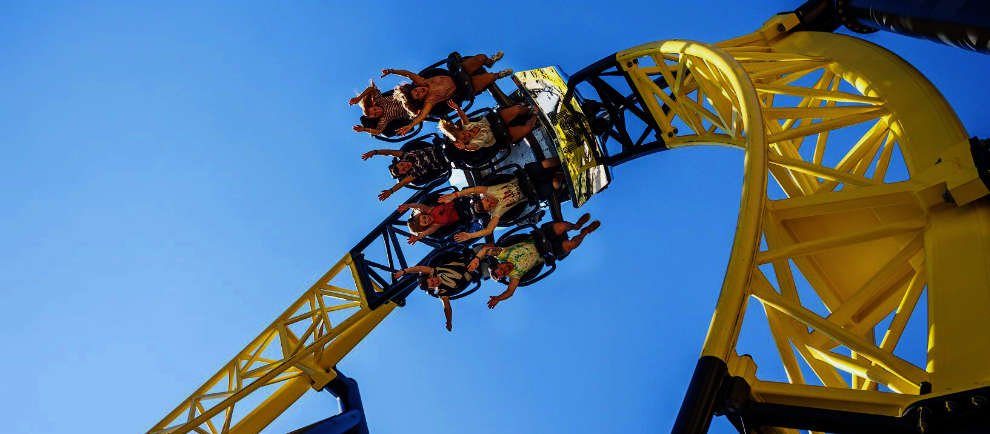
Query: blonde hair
{"x": 449, "y": 129}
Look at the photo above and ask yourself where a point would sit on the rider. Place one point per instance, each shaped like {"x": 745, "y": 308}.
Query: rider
{"x": 427, "y": 219}
{"x": 498, "y": 199}
{"x": 423, "y": 94}
{"x": 514, "y": 262}
{"x": 519, "y": 258}
{"x": 474, "y": 135}
{"x": 378, "y": 110}
{"x": 413, "y": 166}
{"x": 442, "y": 281}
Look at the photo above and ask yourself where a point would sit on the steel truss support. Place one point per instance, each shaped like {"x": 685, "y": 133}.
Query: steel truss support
{"x": 881, "y": 200}
{"x": 351, "y": 419}
{"x": 301, "y": 348}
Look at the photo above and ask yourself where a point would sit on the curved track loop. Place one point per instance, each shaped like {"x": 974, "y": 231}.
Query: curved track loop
{"x": 865, "y": 153}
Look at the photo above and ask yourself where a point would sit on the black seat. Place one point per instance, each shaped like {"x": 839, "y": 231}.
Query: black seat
{"x": 432, "y": 179}
{"x": 464, "y": 93}
{"x": 452, "y": 253}
{"x": 520, "y": 212}
{"x": 464, "y": 207}
{"x": 484, "y": 158}
{"x": 537, "y": 273}
{"x": 390, "y": 132}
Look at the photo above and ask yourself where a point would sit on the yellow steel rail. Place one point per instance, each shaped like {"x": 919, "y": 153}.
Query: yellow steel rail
{"x": 825, "y": 116}
{"x": 298, "y": 351}
{"x": 829, "y": 118}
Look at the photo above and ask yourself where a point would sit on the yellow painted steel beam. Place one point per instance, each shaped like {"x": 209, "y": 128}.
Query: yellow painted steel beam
{"x": 732, "y": 79}
{"x": 307, "y": 347}
{"x": 856, "y": 240}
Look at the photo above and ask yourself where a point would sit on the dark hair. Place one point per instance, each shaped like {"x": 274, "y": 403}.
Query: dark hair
{"x": 424, "y": 283}
{"x": 404, "y": 95}
{"x": 369, "y": 122}
{"x": 393, "y": 169}
{"x": 414, "y": 225}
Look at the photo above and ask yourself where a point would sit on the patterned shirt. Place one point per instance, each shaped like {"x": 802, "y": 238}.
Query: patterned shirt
{"x": 424, "y": 162}
{"x": 508, "y": 195}
{"x": 484, "y": 138}
{"x": 523, "y": 257}
{"x": 391, "y": 110}
{"x": 452, "y": 276}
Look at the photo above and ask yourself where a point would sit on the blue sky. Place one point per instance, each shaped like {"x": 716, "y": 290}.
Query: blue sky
{"x": 175, "y": 174}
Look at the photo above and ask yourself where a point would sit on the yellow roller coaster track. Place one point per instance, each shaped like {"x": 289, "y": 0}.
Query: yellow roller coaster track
{"x": 831, "y": 119}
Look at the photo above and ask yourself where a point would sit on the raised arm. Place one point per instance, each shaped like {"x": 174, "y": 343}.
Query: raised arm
{"x": 416, "y": 79}
{"x": 386, "y": 193}
{"x": 363, "y": 129}
{"x": 390, "y": 152}
{"x": 460, "y": 112}
{"x": 463, "y": 193}
{"x": 448, "y": 312}
{"x": 422, "y": 269}
{"x": 427, "y": 232}
{"x": 487, "y": 230}
{"x": 495, "y": 299}
{"x": 368, "y": 90}
{"x": 420, "y": 117}
{"x": 417, "y": 206}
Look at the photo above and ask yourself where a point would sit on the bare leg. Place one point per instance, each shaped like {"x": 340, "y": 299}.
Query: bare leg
{"x": 518, "y": 132}
{"x": 472, "y": 64}
{"x": 561, "y": 228}
{"x": 581, "y": 221}
{"x": 481, "y": 82}
{"x": 573, "y": 243}
{"x": 508, "y": 114}
{"x": 558, "y": 180}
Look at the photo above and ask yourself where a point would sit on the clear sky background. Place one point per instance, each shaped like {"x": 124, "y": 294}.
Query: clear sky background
{"x": 174, "y": 174}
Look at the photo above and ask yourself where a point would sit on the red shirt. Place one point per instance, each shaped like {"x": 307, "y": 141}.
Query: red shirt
{"x": 444, "y": 214}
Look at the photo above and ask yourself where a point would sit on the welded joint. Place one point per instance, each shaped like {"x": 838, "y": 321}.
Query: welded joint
{"x": 965, "y": 169}
{"x": 318, "y": 377}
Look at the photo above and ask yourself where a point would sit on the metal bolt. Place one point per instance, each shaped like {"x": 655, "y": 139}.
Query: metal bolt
{"x": 781, "y": 28}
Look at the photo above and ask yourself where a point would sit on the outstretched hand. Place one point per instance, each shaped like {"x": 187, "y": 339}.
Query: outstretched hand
{"x": 474, "y": 264}
{"x": 404, "y": 130}
{"x": 397, "y": 274}
{"x": 403, "y": 207}
{"x": 386, "y": 72}
{"x": 493, "y": 301}
{"x": 413, "y": 239}
{"x": 447, "y": 198}
{"x": 450, "y": 327}
{"x": 367, "y": 155}
{"x": 353, "y": 101}
{"x": 462, "y": 236}
{"x": 453, "y": 104}
{"x": 358, "y": 128}
{"x": 384, "y": 194}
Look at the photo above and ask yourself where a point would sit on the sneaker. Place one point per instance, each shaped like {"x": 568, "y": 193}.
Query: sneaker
{"x": 495, "y": 58}
{"x": 503, "y": 73}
